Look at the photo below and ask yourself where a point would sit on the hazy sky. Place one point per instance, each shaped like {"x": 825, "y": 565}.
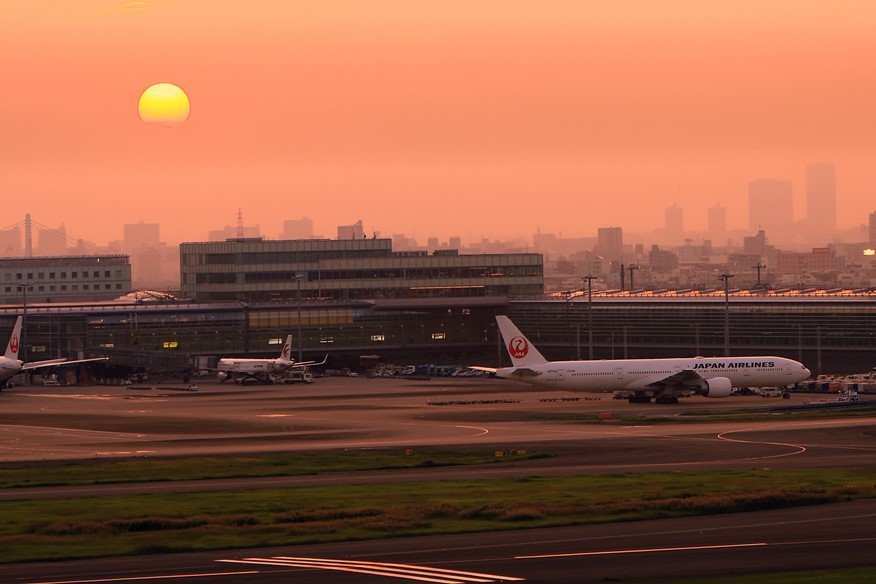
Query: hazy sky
{"x": 443, "y": 117}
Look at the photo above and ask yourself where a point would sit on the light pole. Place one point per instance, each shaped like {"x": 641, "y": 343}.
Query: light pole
{"x": 726, "y": 277}
{"x": 758, "y": 267}
{"x": 632, "y": 269}
{"x": 589, "y": 279}
{"x": 298, "y": 278}
{"x": 24, "y": 287}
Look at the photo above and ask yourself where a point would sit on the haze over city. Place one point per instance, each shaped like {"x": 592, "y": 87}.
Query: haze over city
{"x": 493, "y": 119}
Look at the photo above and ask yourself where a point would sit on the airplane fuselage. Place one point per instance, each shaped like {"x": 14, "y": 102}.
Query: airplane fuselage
{"x": 651, "y": 374}
{"x": 9, "y": 368}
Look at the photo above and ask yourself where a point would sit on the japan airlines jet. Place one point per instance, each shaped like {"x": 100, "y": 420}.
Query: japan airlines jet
{"x": 10, "y": 364}
{"x": 663, "y": 379}
{"x": 262, "y": 369}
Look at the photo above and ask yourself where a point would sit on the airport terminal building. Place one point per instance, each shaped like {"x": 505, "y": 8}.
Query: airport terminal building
{"x": 64, "y": 278}
{"x": 255, "y": 270}
{"x": 829, "y": 331}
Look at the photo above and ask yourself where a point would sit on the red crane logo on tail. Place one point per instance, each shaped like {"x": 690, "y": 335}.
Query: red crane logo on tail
{"x": 518, "y": 348}
{"x": 286, "y": 351}
{"x": 13, "y": 344}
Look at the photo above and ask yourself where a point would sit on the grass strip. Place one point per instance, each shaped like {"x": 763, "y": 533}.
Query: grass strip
{"x": 41, "y": 474}
{"x": 57, "y": 529}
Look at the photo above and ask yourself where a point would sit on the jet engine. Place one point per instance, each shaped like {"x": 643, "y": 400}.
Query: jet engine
{"x": 222, "y": 375}
{"x": 716, "y": 387}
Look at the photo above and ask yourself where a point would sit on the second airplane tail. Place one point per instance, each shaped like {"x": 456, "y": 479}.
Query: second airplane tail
{"x": 522, "y": 352}
{"x": 14, "y": 341}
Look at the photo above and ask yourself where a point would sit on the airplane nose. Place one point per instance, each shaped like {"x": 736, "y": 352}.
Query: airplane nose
{"x": 808, "y": 373}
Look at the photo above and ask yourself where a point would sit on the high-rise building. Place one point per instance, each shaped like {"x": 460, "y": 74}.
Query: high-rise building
{"x": 141, "y": 236}
{"x": 821, "y": 197}
{"x": 673, "y": 221}
{"x": 873, "y": 229}
{"x": 52, "y": 242}
{"x": 10, "y": 242}
{"x": 354, "y": 231}
{"x": 297, "y": 229}
{"x": 717, "y": 222}
{"x": 771, "y": 208}
{"x": 610, "y": 243}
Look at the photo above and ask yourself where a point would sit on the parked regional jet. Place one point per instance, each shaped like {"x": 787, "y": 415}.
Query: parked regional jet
{"x": 663, "y": 379}
{"x": 10, "y": 364}
{"x": 262, "y": 369}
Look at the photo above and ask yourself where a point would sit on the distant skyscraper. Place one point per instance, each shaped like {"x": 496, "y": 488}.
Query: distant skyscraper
{"x": 10, "y": 242}
{"x": 610, "y": 243}
{"x": 873, "y": 229}
{"x": 354, "y": 231}
{"x": 673, "y": 221}
{"x": 717, "y": 222}
{"x": 141, "y": 236}
{"x": 298, "y": 229}
{"x": 821, "y": 197}
{"x": 52, "y": 242}
{"x": 771, "y": 207}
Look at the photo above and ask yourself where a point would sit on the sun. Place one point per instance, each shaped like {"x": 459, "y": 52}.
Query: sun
{"x": 164, "y": 104}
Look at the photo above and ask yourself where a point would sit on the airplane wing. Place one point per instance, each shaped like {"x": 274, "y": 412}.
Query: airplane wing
{"x": 485, "y": 369}
{"x": 309, "y": 363}
{"x": 54, "y": 362}
{"x": 525, "y": 372}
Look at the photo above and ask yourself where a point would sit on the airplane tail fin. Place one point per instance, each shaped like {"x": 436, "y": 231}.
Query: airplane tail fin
{"x": 522, "y": 352}
{"x": 286, "y": 353}
{"x": 14, "y": 341}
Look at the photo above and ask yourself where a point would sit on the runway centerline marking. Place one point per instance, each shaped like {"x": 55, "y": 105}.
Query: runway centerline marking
{"x": 800, "y": 448}
{"x": 644, "y": 551}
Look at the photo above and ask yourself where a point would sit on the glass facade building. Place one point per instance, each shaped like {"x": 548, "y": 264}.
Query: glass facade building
{"x": 348, "y": 269}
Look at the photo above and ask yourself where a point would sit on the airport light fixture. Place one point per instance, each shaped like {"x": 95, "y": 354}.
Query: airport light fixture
{"x": 298, "y": 278}
{"x": 758, "y": 267}
{"x": 632, "y": 269}
{"x": 726, "y": 277}
{"x": 24, "y": 287}
{"x": 589, "y": 279}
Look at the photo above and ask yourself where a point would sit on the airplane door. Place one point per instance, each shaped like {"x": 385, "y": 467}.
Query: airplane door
{"x": 561, "y": 375}
{"x": 619, "y": 373}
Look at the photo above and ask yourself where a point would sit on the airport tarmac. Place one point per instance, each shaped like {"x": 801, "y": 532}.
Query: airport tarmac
{"x": 51, "y": 423}
{"x": 54, "y": 424}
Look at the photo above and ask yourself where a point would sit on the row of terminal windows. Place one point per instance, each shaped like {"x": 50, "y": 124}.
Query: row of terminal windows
{"x": 383, "y": 274}
{"x": 62, "y": 275}
{"x": 73, "y": 287}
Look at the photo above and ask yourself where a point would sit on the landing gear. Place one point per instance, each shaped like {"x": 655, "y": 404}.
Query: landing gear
{"x": 639, "y": 398}
{"x": 666, "y": 399}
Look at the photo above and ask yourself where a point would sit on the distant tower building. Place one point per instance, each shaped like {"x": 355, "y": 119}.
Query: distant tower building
{"x": 610, "y": 243}
{"x": 141, "y": 236}
{"x": 717, "y": 222}
{"x": 455, "y": 242}
{"x": 297, "y": 229}
{"x": 771, "y": 207}
{"x": 873, "y": 229}
{"x": 354, "y": 231}
{"x": 10, "y": 242}
{"x": 821, "y": 197}
{"x": 673, "y": 222}
{"x": 52, "y": 242}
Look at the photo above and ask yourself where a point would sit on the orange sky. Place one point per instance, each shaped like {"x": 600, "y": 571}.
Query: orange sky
{"x": 468, "y": 118}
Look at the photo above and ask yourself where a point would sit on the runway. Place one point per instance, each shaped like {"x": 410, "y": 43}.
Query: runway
{"x": 55, "y": 424}
{"x": 813, "y": 538}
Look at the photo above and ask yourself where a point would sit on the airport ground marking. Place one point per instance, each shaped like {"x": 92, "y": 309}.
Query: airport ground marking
{"x": 147, "y": 578}
{"x": 644, "y": 551}
{"x": 800, "y": 448}
{"x": 391, "y": 570}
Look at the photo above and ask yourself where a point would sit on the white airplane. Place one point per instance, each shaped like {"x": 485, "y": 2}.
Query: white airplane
{"x": 262, "y": 369}
{"x": 11, "y": 365}
{"x": 642, "y": 379}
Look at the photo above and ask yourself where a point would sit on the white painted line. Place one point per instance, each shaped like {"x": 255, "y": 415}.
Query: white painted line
{"x": 644, "y": 551}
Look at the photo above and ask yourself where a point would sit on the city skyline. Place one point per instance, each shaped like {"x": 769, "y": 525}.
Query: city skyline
{"x": 495, "y": 120}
